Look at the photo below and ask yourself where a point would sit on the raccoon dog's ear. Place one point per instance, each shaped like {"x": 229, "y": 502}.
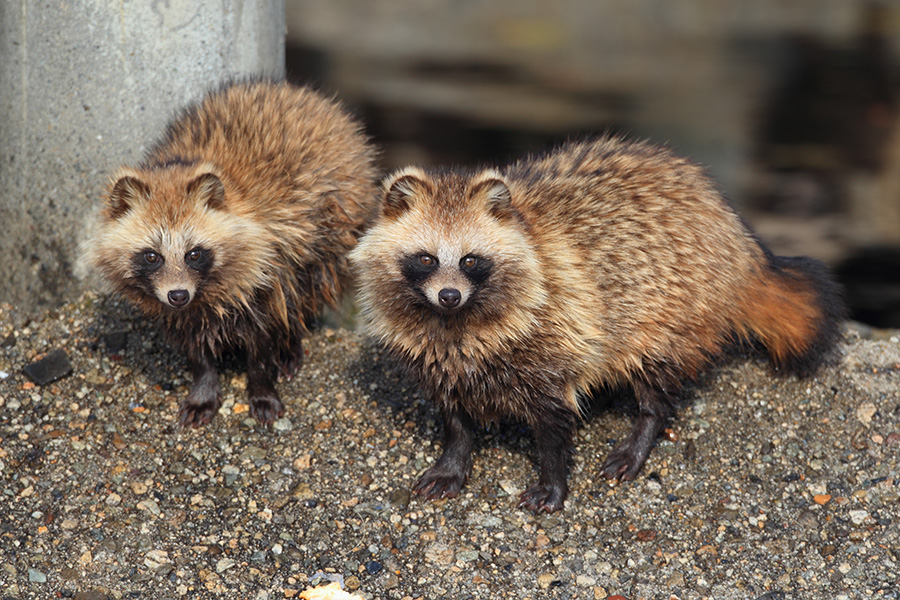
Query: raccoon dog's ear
{"x": 127, "y": 190}
{"x": 496, "y": 194}
{"x": 210, "y": 189}
{"x": 400, "y": 189}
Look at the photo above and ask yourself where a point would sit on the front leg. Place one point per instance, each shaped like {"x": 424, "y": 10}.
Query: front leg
{"x": 450, "y": 473}
{"x": 553, "y": 434}
{"x": 265, "y": 405}
{"x": 203, "y": 402}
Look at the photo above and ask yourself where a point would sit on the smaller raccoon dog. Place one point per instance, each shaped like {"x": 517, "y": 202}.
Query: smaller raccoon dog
{"x": 514, "y": 292}
{"x": 234, "y": 230}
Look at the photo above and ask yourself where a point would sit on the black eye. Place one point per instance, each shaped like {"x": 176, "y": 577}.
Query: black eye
{"x": 199, "y": 259}
{"x": 476, "y": 268}
{"x": 427, "y": 260}
{"x": 151, "y": 258}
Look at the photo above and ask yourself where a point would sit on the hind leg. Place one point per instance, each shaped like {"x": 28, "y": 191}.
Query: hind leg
{"x": 554, "y": 441}
{"x": 203, "y": 402}
{"x": 654, "y": 409}
{"x": 450, "y": 473}
{"x": 265, "y": 405}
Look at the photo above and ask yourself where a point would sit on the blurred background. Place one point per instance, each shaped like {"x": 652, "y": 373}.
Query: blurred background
{"x": 792, "y": 106}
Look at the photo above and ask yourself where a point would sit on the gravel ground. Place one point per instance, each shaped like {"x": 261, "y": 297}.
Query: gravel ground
{"x": 768, "y": 489}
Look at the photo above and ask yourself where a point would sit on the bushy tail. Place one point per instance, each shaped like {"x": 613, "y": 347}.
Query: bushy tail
{"x": 795, "y": 311}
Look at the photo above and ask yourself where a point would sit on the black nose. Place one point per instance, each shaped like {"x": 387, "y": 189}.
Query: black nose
{"x": 178, "y": 298}
{"x": 449, "y": 298}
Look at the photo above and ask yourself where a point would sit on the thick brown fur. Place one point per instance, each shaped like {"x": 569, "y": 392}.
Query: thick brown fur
{"x": 603, "y": 263}
{"x": 245, "y": 211}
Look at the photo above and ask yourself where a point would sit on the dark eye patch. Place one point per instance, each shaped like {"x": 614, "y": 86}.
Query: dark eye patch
{"x": 416, "y": 268}
{"x": 476, "y": 268}
{"x": 199, "y": 259}
{"x": 147, "y": 261}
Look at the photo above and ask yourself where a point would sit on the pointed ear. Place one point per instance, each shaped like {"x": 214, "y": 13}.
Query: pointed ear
{"x": 400, "y": 191}
{"x": 210, "y": 189}
{"x": 126, "y": 192}
{"x": 491, "y": 186}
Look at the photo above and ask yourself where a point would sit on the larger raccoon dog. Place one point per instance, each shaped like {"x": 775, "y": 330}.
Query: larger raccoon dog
{"x": 234, "y": 231}
{"x": 515, "y": 291}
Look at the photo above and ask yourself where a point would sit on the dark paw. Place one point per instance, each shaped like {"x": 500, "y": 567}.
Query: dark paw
{"x": 543, "y": 498}
{"x": 623, "y": 463}
{"x": 436, "y": 483}
{"x": 291, "y": 366}
{"x": 266, "y": 409}
{"x": 194, "y": 415}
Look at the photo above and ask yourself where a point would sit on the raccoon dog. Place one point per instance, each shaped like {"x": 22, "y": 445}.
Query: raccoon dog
{"x": 514, "y": 292}
{"x": 234, "y": 230}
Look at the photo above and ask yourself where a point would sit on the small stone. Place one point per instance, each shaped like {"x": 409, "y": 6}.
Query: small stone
{"x": 255, "y": 452}
{"x": 156, "y": 558}
{"x": 283, "y": 424}
{"x": 35, "y": 576}
{"x": 373, "y": 567}
{"x": 467, "y": 556}
{"x": 224, "y": 564}
{"x": 544, "y": 580}
{"x": 858, "y": 516}
{"x": 149, "y": 505}
{"x": 509, "y": 487}
{"x": 302, "y": 462}
{"x": 52, "y": 367}
{"x": 585, "y": 581}
{"x": 400, "y": 498}
{"x": 865, "y": 412}
{"x": 822, "y": 499}
{"x": 139, "y": 488}
{"x": 118, "y": 442}
{"x": 391, "y": 582}
{"x": 440, "y": 554}
{"x": 69, "y": 524}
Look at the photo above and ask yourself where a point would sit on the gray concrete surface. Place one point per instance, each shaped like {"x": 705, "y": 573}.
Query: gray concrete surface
{"x": 86, "y": 86}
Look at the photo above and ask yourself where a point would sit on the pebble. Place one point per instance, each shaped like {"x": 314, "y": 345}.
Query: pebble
{"x": 373, "y": 567}
{"x": 440, "y": 554}
{"x": 35, "y": 576}
{"x": 858, "y": 517}
{"x": 283, "y": 424}
{"x": 224, "y": 564}
{"x": 156, "y": 558}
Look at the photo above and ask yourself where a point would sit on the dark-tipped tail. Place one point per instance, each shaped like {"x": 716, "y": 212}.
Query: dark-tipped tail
{"x": 796, "y": 312}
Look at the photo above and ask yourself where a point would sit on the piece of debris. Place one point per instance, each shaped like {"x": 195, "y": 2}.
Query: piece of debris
{"x": 53, "y": 366}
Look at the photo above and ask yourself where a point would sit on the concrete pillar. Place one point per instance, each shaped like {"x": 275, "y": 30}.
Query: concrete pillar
{"x": 87, "y": 85}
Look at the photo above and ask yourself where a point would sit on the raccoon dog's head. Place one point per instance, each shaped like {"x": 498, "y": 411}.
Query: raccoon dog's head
{"x": 449, "y": 249}
{"x": 168, "y": 240}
